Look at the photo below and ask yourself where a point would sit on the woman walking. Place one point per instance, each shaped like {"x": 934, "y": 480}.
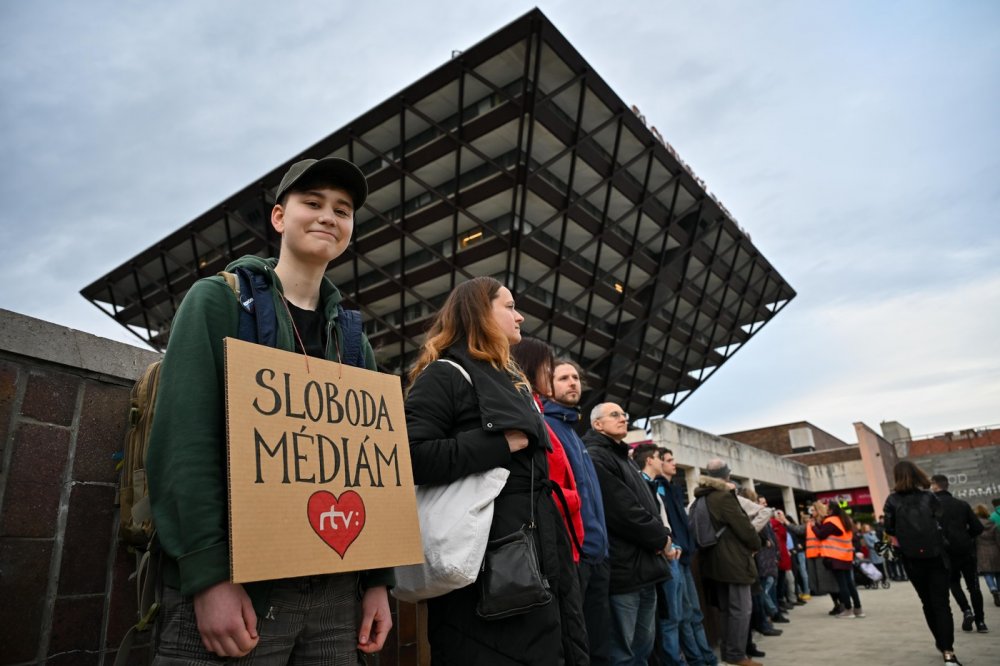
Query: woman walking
{"x": 912, "y": 515}
{"x": 473, "y": 418}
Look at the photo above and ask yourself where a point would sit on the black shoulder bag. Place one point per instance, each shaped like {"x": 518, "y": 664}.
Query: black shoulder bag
{"x": 510, "y": 580}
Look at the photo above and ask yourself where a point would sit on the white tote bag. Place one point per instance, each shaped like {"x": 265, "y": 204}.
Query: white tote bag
{"x": 455, "y": 520}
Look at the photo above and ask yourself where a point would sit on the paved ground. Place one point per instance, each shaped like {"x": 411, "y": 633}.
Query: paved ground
{"x": 894, "y": 632}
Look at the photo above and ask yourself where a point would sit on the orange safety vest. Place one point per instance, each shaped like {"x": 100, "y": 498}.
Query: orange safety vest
{"x": 837, "y": 547}
{"x": 812, "y": 543}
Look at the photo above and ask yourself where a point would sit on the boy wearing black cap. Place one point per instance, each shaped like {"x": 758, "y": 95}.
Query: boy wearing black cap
{"x": 205, "y": 617}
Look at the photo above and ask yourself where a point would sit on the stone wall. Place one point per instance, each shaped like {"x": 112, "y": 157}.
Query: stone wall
{"x": 64, "y": 584}
{"x": 63, "y": 404}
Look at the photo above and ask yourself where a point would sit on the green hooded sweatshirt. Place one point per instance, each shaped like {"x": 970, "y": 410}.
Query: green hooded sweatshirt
{"x": 186, "y": 462}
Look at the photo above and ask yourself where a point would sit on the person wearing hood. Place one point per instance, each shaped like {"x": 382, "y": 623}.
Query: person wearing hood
{"x": 729, "y": 564}
{"x": 204, "y": 617}
{"x": 639, "y": 539}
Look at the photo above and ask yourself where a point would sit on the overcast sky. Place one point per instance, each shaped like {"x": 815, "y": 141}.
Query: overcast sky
{"x": 857, "y": 142}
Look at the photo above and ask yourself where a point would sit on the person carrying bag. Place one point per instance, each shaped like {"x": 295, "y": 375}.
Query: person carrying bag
{"x": 458, "y": 427}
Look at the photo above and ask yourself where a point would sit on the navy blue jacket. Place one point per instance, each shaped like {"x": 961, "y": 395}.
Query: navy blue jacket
{"x": 595, "y": 532}
{"x": 673, "y": 499}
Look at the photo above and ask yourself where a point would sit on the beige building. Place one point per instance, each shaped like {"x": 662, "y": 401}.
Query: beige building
{"x": 789, "y": 464}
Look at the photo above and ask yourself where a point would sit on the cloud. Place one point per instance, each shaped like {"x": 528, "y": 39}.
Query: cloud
{"x": 856, "y": 142}
{"x": 925, "y": 358}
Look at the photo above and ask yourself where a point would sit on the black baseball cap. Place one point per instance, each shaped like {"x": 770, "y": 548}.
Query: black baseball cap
{"x": 335, "y": 170}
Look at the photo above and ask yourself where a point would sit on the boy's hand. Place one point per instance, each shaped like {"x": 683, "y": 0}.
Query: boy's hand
{"x": 226, "y": 620}
{"x": 375, "y": 620}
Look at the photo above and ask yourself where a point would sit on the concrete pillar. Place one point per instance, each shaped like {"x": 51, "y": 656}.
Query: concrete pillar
{"x": 789, "y": 498}
{"x": 875, "y": 463}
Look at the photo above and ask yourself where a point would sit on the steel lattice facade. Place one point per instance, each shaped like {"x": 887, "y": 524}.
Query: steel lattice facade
{"x": 516, "y": 160}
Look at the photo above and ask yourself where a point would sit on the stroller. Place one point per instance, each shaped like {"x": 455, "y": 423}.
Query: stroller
{"x": 868, "y": 574}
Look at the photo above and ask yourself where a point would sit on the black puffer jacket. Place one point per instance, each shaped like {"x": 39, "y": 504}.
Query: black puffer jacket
{"x": 456, "y": 429}
{"x": 635, "y": 530}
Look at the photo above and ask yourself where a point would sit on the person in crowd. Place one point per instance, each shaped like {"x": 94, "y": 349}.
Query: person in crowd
{"x": 685, "y": 618}
{"x": 871, "y": 540}
{"x": 995, "y": 516}
{"x": 912, "y": 515}
{"x": 797, "y": 551}
{"x": 646, "y": 456}
{"x": 459, "y": 426}
{"x": 766, "y": 559}
{"x": 562, "y": 415}
{"x": 535, "y": 358}
{"x": 639, "y": 539}
{"x": 961, "y": 527}
{"x": 764, "y": 612}
{"x": 988, "y": 552}
{"x": 796, "y": 531}
{"x": 728, "y": 566}
{"x": 784, "y": 592}
{"x": 328, "y": 617}
{"x": 821, "y": 578}
{"x": 835, "y": 533}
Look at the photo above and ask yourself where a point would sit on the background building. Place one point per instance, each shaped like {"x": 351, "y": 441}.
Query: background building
{"x": 515, "y": 159}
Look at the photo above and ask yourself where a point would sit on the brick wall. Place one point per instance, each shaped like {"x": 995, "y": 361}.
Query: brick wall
{"x": 776, "y": 440}
{"x": 949, "y": 443}
{"x": 773, "y": 439}
{"x": 64, "y": 584}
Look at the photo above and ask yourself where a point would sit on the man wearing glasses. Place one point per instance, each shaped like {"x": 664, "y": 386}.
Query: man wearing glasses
{"x": 636, "y": 533}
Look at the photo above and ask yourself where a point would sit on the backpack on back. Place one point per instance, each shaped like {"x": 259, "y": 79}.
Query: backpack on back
{"x": 918, "y": 527}
{"x": 135, "y": 526}
{"x": 258, "y": 323}
{"x": 702, "y": 527}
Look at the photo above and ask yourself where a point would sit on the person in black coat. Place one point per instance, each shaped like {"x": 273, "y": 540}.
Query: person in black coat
{"x": 459, "y": 426}
{"x": 637, "y": 535}
{"x": 961, "y": 527}
{"x": 912, "y": 515}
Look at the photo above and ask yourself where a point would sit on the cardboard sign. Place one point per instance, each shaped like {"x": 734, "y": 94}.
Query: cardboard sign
{"x": 319, "y": 467}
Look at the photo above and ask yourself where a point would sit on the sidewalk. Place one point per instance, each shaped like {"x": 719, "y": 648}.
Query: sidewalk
{"x": 894, "y": 632}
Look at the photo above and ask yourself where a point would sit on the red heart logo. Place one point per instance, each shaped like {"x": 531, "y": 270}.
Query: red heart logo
{"x": 337, "y": 521}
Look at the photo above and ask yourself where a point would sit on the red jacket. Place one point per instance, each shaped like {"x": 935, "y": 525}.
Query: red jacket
{"x": 562, "y": 474}
{"x": 784, "y": 559}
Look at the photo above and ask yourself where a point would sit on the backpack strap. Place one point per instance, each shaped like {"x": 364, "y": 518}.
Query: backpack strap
{"x": 350, "y": 327}
{"x": 261, "y": 326}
